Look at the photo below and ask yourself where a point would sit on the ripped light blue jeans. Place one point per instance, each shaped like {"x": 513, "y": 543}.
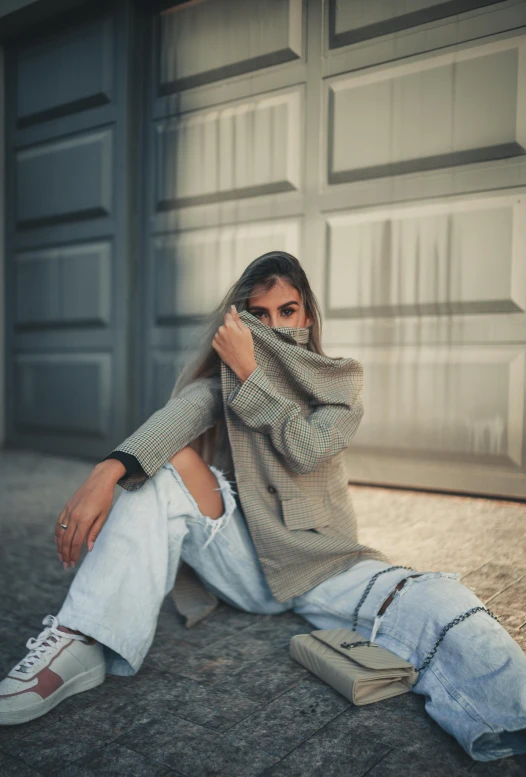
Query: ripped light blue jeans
{"x": 474, "y": 686}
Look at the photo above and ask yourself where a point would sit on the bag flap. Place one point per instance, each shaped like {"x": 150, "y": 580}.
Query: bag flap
{"x": 371, "y": 656}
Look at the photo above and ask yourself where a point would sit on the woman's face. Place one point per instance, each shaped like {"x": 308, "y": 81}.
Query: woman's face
{"x": 281, "y": 306}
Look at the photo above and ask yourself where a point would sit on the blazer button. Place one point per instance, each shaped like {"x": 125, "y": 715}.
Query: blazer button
{"x": 272, "y": 489}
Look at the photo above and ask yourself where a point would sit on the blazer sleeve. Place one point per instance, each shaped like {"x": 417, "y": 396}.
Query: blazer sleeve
{"x": 130, "y": 462}
{"x": 196, "y": 408}
{"x": 304, "y": 442}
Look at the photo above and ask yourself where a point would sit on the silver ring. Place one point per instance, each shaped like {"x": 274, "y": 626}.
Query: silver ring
{"x": 63, "y": 525}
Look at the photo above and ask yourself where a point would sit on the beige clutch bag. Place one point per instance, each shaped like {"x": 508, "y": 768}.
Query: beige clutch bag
{"x": 360, "y": 670}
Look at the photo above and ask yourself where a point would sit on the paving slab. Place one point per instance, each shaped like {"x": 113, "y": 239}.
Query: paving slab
{"x": 16, "y": 768}
{"x": 284, "y": 723}
{"x": 491, "y": 579}
{"x": 193, "y": 750}
{"x": 113, "y": 760}
{"x": 331, "y": 752}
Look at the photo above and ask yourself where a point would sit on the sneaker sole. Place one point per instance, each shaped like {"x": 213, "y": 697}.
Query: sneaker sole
{"x": 77, "y": 684}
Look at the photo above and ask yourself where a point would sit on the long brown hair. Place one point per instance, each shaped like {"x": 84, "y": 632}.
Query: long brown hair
{"x": 258, "y": 277}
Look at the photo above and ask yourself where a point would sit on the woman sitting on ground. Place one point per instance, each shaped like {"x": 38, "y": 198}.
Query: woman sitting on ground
{"x": 262, "y": 408}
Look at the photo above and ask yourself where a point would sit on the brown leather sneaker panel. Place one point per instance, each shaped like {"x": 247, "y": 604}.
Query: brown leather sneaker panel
{"x": 47, "y": 683}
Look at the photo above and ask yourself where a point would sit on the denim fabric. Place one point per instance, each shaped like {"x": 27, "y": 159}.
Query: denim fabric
{"x": 474, "y": 686}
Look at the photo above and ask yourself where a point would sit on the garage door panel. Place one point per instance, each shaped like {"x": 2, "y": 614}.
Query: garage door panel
{"x": 48, "y": 87}
{"x": 167, "y": 364}
{"x": 463, "y": 402}
{"x": 64, "y": 286}
{"x": 63, "y": 394}
{"x": 253, "y": 36}
{"x": 68, "y": 148}
{"x": 194, "y": 269}
{"x": 434, "y": 330}
{"x": 392, "y": 39}
{"x": 431, "y": 113}
{"x": 189, "y": 275}
{"x": 365, "y": 19}
{"x": 440, "y": 259}
{"x": 69, "y": 178}
{"x": 248, "y": 148}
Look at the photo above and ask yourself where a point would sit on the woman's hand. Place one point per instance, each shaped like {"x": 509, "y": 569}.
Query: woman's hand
{"x": 86, "y": 511}
{"x": 234, "y": 344}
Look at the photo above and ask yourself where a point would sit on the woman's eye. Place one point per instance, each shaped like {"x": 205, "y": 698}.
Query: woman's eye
{"x": 259, "y": 313}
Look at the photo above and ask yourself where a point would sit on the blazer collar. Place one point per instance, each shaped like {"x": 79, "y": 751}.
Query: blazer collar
{"x": 291, "y": 334}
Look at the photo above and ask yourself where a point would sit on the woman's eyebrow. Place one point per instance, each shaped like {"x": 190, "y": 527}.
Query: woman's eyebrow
{"x": 285, "y": 304}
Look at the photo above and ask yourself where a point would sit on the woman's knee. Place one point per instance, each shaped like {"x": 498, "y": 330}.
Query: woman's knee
{"x": 184, "y": 457}
{"x": 434, "y": 596}
{"x": 200, "y": 481}
{"x": 444, "y": 587}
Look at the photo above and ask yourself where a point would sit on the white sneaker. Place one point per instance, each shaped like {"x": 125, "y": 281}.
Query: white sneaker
{"x": 58, "y": 665}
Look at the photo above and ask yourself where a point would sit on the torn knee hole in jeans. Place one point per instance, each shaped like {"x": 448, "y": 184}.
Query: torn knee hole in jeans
{"x": 389, "y": 599}
{"x": 387, "y": 602}
{"x": 227, "y": 492}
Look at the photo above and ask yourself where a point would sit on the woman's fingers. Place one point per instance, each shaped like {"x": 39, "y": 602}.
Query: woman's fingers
{"x": 239, "y": 321}
{"x": 59, "y": 531}
{"x": 95, "y": 531}
{"x": 77, "y": 538}
{"x": 67, "y": 540}
{"x": 84, "y": 514}
{"x": 230, "y": 317}
{"x": 235, "y": 316}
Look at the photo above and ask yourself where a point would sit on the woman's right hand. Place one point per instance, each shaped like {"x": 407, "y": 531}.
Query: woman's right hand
{"x": 86, "y": 511}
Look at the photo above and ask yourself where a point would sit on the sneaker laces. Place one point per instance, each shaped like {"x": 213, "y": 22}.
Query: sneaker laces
{"x": 47, "y": 639}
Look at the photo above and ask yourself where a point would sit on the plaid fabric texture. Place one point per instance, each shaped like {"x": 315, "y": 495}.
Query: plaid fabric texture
{"x": 196, "y": 408}
{"x": 289, "y": 424}
{"x": 304, "y": 443}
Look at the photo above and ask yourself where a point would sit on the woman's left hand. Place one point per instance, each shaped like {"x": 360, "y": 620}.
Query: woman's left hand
{"x": 235, "y": 346}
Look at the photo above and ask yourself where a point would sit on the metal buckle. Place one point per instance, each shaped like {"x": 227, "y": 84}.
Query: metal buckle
{"x": 349, "y": 645}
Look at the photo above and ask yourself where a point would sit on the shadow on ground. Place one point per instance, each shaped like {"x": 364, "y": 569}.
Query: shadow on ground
{"x": 225, "y": 698}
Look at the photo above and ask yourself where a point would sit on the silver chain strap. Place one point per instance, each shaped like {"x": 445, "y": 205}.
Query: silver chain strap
{"x": 448, "y": 626}
{"x": 369, "y": 586}
{"x": 442, "y": 634}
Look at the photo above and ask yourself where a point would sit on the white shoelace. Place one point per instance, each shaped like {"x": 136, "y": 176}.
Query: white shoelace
{"x": 47, "y": 639}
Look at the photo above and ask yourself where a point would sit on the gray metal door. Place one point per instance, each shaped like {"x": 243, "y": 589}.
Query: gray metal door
{"x": 68, "y": 237}
{"x": 382, "y": 143}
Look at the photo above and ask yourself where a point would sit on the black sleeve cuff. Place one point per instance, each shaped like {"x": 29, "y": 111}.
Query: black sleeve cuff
{"x": 129, "y": 461}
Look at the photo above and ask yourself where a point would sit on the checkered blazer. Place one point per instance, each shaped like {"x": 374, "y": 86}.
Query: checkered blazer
{"x": 289, "y": 425}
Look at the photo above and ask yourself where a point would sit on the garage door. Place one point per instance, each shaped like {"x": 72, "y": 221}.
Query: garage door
{"x": 383, "y": 144}
{"x": 68, "y": 243}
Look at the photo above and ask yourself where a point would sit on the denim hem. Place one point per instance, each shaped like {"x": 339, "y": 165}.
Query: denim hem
{"x": 501, "y": 750}
{"x": 487, "y": 731}
{"x": 107, "y": 638}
